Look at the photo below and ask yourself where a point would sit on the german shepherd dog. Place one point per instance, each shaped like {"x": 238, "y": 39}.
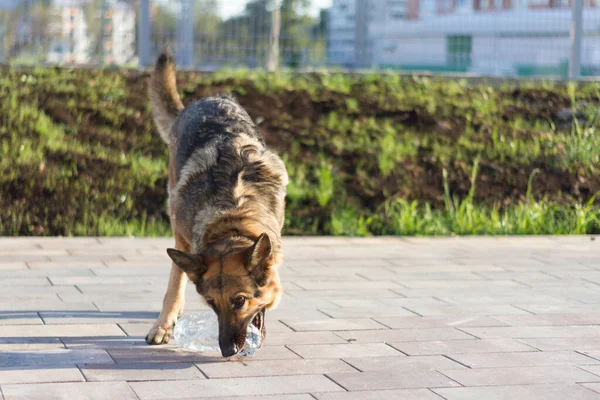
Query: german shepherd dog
{"x": 226, "y": 206}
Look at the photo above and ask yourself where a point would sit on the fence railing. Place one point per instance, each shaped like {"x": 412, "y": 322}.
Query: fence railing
{"x": 487, "y": 37}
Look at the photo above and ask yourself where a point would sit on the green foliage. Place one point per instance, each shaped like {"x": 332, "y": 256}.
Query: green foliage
{"x": 366, "y": 154}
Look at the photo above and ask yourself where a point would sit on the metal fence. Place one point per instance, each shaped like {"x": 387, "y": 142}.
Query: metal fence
{"x": 487, "y": 37}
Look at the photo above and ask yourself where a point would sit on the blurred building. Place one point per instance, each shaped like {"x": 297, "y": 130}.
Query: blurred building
{"x": 73, "y": 40}
{"x": 68, "y": 33}
{"x": 493, "y": 37}
{"x": 119, "y": 34}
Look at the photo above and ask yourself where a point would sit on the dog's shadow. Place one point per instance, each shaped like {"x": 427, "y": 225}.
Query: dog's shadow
{"x": 31, "y": 351}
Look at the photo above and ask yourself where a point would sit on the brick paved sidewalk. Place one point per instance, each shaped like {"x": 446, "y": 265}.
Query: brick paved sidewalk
{"x": 368, "y": 319}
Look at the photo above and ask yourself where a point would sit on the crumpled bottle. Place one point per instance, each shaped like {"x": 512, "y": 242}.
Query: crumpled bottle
{"x": 200, "y": 332}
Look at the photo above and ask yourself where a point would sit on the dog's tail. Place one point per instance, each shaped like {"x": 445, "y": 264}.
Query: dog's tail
{"x": 165, "y": 101}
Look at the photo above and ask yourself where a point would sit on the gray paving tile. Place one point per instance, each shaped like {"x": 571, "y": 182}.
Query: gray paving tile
{"x": 309, "y": 351}
{"x": 331, "y": 324}
{"x": 523, "y": 359}
{"x": 404, "y": 394}
{"x": 267, "y": 397}
{"x": 341, "y": 293}
{"x": 19, "y": 318}
{"x": 35, "y": 374}
{"x": 239, "y": 369}
{"x": 550, "y": 319}
{"x": 461, "y": 346}
{"x": 234, "y": 387}
{"x": 291, "y": 338}
{"x": 399, "y": 363}
{"x": 103, "y": 342}
{"x": 346, "y": 285}
{"x": 11, "y": 344}
{"x": 526, "y": 332}
{"x": 367, "y": 312}
{"x": 404, "y": 335}
{"x": 525, "y": 392}
{"x": 23, "y": 331}
{"x": 61, "y": 391}
{"x": 520, "y": 375}
{"x": 51, "y": 358}
{"x": 401, "y": 379}
{"x": 563, "y": 343}
{"x": 466, "y": 309}
{"x": 439, "y": 322}
{"x": 140, "y": 372}
{"x": 97, "y": 317}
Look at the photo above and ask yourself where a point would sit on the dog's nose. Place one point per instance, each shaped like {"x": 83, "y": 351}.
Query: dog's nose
{"x": 229, "y": 350}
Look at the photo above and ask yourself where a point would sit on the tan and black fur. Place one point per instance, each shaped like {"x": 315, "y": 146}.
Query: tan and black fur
{"x": 226, "y": 205}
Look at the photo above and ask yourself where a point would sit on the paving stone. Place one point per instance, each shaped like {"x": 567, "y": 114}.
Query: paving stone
{"x": 160, "y": 354}
{"x": 341, "y": 293}
{"x": 562, "y": 308}
{"x": 461, "y": 346}
{"x": 456, "y": 284}
{"x": 97, "y": 317}
{"x": 331, "y": 324}
{"x": 309, "y": 351}
{"x": 535, "y": 332}
{"x": 522, "y": 359}
{"x": 140, "y": 372}
{"x": 103, "y": 342}
{"x": 399, "y": 363}
{"x": 12, "y": 344}
{"x": 238, "y": 369}
{"x": 520, "y": 375}
{"x": 19, "y": 318}
{"x": 404, "y": 394}
{"x": 70, "y": 264}
{"x": 291, "y": 338}
{"x": 438, "y": 322}
{"x": 550, "y": 320}
{"x": 106, "y": 280}
{"x": 22, "y": 331}
{"x": 153, "y": 354}
{"x": 593, "y": 386}
{"x": 526, "y": 392}
{"x": 60, "y": 391}
{"x": 50, "y": 358}
{"x": 592, "y": 353}
{"x": 346, "y": 285}
{"x": 563, "y": 343}
{"x": 470, "y": 309}
{"x": 404, "y": 335}
{"x": 274, "y": 397}
{"x": 35, "y": 374}
{"x": 367, "y": 312}
{"x": 234, "y": 387}
{"x": 401, "y": 379}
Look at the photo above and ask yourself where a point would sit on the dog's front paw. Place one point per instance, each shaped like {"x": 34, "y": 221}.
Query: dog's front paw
{"x": 159, "y": 334}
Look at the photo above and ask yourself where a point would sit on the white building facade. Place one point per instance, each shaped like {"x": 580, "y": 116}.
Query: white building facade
{"x": 491, "y": 37}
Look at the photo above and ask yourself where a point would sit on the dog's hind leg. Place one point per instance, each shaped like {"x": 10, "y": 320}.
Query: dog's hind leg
{"x": 172, "y": 304}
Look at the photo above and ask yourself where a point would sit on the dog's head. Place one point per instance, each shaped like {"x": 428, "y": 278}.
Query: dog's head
{"x": 239, "y": 284}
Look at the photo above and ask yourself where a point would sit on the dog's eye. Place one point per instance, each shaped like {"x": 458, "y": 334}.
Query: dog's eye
{"x": 211, "y": 303}
{"x": 238, "y": 302}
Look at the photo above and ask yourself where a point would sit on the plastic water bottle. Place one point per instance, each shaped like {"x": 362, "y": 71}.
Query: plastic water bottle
{"x": 200, "y": 332}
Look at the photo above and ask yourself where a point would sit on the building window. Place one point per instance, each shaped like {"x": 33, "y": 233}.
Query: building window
{"x": 444, "y": 6}
{"x": 459, "y": 50}
{"x": 540, "y": 3}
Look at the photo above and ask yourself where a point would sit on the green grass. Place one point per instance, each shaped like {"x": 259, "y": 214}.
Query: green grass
{"x": 367, "y": 154}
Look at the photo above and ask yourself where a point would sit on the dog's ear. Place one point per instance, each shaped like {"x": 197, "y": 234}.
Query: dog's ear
{"x": 258, "y": 259}
{"x": 192, "y": 264}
